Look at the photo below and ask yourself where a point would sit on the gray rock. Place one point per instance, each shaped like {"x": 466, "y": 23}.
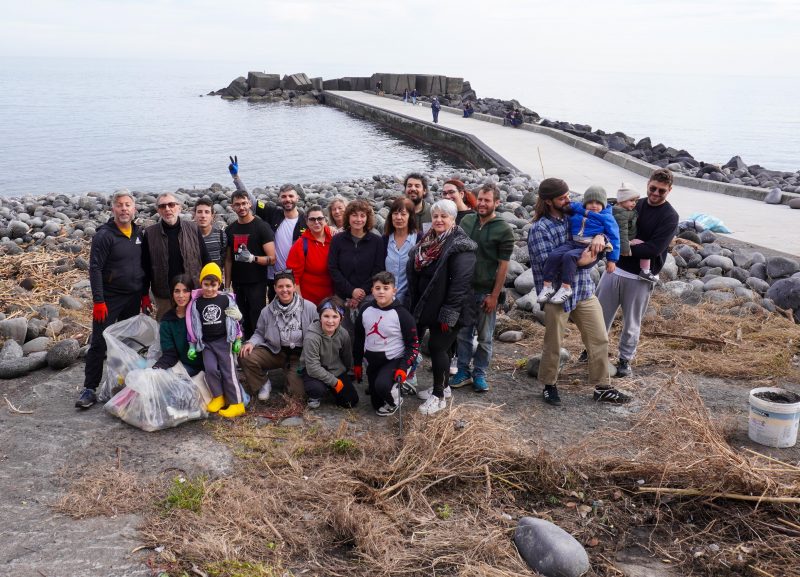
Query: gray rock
{"x": 768, "y": 305}
{"x": 511, "y": 337}
{"x": 739, "y": 274}
{"x": 744, "y": 293}
{"x": 37, "y": 345}
{"x": 785, "y": 293}
{"x": 716, "y": 260}
{"x": 757, "y": 284}
{"x": 794, "y": 203}
{"x": 63, "y": 354}
{"x": 759, "y": 270}
{"x": 750, "y": 308}
{"x": 10, "y": 247}
{"x": 549, "y": 550}
{"x": 685, "y": 251}
{"x": 11, "y": 350}
{"x": 35, "y": 328}
{"x": 18, "y": 229}
{"x": 718, "y": 297}
{"x": 532, "y": 367}
{"x": 48, "y": 311}
{"x": 757, "y": 257}
{"x": 697, "y": 285}
{"x": 69, "y": 302}
{"x": 707, "y": 236}
{"x": 709, "y": 249}
{"x": 54, "y": 328}
{"x": 670, "y": 269}
{"x": 722, "y": 283}
{"x": 14, "y": 368}
{"x": 781, "y": 266}
{"x": 15, "y": 329}
{"x": 690, "y": 235}
{"x": 524, "y": 282}
{"x": 514, "y": 270}
{"x": 292, "y": 422}
{"x": 528, "y": 302}
{"x": 773, "y": 196}
{"x": 677, "y": 288}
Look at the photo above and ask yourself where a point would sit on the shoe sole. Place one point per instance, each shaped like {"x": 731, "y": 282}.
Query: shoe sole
{"x": 84, "y": 407}
{"x": 463, "y": 383}
{"x": 622, "y": 375}
{"x": 480, "y": 389}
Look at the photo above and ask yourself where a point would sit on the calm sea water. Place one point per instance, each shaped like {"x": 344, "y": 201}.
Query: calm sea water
{"x": 73, "y": 126}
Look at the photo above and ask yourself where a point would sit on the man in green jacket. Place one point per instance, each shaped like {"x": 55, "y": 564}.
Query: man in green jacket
{"x": 495, "y": 244}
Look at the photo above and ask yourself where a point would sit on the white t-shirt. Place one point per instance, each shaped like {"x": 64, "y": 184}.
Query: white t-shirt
{"x": 283, "y": 242}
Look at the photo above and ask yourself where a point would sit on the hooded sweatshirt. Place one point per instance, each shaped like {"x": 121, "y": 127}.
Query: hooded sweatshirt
{"x": 326, "y": 357}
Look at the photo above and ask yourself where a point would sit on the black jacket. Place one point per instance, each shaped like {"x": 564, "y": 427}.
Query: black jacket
{"x": 352, "y": 264}
{"x": 115, "y": 262}
{"x": 442, "y": 291}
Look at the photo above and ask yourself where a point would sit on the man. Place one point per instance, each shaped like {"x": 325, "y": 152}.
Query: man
{"x": 213, "y": 236}
{"x": 551, "y": 229}
{"x": 416, "y": 186}
{"x": 656, "y": 225}
{"x": 435, "y": 108}
{"x": 495, "y": 240}
{"x": 171, "y": 247}
{"x": 116, "y": 277}
{"x": 251, "y": 248}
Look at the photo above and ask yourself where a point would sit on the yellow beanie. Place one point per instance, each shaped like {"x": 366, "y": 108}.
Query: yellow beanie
{"x": 211, "y": 269}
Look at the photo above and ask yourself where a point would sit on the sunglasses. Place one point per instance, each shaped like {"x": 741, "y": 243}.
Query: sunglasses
{"x": 657, "y": 189}
{"x": 316, "y": 219}
{"x": 164, "y": 205}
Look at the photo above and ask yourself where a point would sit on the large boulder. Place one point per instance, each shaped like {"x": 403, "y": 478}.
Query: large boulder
{"x": 549, "y": 550}
{"x": 524, "y": 282}
{"x": 299, "y": 81}
{"x": 37, "y": 345}
{"x": 785, "y": 293}
{"x": 16, "y": 329}
{"x": 781, "y": 266}
{"x": 237, "y": 88}
{"x": 11, "y": 350}
{"x": 715, "y": 260}
{"x": 794, "y": 203}
{"x": 63, "y": 354}
{"x": 14, "y": 368}
{"x": 722, "y": 283}
{"x": 773, "y": 196}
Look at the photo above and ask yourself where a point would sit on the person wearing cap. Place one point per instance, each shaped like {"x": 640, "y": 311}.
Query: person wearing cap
{"x": 435, "y": 108}
{"x": 550, "y": 230}
{"x": 626, "y": 215}
{"x": 586, "y": 221}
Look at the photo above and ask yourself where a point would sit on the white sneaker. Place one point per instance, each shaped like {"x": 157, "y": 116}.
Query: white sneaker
{"x": 432, "y": 405}
{"x": 264, "y": 391}
{"x": 545, "y": 294}
{"x": 561, "y": 296}
{"x": 428, "y": 393}
{"x": 313, "y": 403}
{"x": 388, "y": 409}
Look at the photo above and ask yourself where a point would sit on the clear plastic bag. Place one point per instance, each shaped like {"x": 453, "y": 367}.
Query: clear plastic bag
{"x": 155, "y": 399}
{"x": 131, "y": 344}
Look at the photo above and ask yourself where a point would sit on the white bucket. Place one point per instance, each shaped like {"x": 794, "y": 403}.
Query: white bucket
{"x": 773, "y": 424}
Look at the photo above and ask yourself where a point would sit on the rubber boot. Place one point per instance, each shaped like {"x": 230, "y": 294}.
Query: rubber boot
{"x": 232, "y": 411}
{"x": 216, "y": 404}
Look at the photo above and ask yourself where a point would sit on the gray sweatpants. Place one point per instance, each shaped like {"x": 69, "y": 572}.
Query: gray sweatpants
{"x": 220, "y": 368}
{"x": 632, "y": 295}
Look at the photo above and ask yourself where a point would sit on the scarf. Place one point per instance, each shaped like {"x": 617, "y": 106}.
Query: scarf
{"x": 289, "y": 321}
{"x": 430, "y": 247}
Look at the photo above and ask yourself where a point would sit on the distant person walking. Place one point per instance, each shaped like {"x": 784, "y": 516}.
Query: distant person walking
{"x": 435, "y": 108}
{"x": 414, "y": 97}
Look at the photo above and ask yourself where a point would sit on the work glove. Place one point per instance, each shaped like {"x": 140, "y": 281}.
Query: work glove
{"x": 100, "y": 312}
{"x": 192, "y": 354}
{"x": 444, "y": 327}
{"x": 237, "y": 346}
{"x": 147, "y": 306}
{"x": 399, "y": 376}
{"x": 244, "y": 255}
{"x": 337, "y": 388}
{"x": 358, "y": 372}
{"x": 234, "y": 313}
{"x": 233, "y": 167}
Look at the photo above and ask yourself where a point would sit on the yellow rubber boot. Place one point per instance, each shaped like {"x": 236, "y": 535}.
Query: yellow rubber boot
{"x": 216, "y": 404}
{"x": 232, "y": 411}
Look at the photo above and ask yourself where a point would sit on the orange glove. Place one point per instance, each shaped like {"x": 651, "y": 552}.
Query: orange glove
{"x": 399, "y": 376}
{"x": 337, "y": 388}
{"x": 100, "y": 312}
{"x": 358, "y": 371}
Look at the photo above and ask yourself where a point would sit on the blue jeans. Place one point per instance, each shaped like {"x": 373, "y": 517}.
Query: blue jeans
{"x": 485, "y": 327}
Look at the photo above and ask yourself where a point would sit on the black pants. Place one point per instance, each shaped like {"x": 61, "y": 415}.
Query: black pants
{"x": 380, "y": 376}
{"x": 316, "y": 389}
{"x": 251, "y": 298}
{"x": 440, "y": 347}
{"x": 120, "y": 307}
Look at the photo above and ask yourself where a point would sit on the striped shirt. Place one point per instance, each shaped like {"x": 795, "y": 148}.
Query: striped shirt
{"x": 215, "y": 245}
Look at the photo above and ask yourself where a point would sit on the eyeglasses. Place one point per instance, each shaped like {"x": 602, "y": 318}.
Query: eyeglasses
{"x": 316, "y": 219}
{"x": 449, "y": 192}
{"x": 164, "y": 205}
{"x": 657, "y": 189}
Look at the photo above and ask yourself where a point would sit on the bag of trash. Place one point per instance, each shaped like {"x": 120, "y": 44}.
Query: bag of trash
{"x": 131, "y": 344}
{"x": 709, "y": 222}
{"x": 155, "y": 399}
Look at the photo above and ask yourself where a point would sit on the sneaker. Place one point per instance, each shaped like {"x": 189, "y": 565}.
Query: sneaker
{"x": 388, "y": 409}
{"x": 264, "y": 391}
{"x": 550, "y": 395}
{"x": 86, "y": 400}
{"x": 454, "y": 366}
{"x": 408, "y": 389}
{"x": 649, "y": 277}
{"x": 545, "y": 294}
{"x": 460, "y": 379}
{"x": 479, "y": 384}
{"x": 584, "y": 356}
{"x": 428, "y": 393}
{"x": 623, "y": 368}
{"x": 611, "y": 396}
{"x": 313, "y": 404}
{"x": 561, "y": 296}
{"x": 432, "y": 405}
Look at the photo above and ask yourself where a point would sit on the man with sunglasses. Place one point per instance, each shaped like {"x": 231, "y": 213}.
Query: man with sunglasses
{"x": 171, "y": 247}
{"x": 656, "y": 225}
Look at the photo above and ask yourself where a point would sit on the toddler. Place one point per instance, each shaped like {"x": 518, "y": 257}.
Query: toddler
{"x": 625, "y": 214}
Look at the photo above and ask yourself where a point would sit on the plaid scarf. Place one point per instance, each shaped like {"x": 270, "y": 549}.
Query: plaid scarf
{"x": 430, "y": 247}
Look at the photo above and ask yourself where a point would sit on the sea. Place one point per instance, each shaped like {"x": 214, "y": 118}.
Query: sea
{"x": 74, "y": 126}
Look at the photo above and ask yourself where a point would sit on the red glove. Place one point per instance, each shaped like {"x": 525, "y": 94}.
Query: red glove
{"x": 147, "y": 306}
{"x": 99, "y": 312}
{"x": 358, "y": 371}
{"x": 399, "y": 376}
{"x": 337, "y": 388}
{"x": 444, "y": 327}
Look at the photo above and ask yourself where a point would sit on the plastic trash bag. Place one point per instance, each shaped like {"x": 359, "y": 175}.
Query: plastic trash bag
{"x": 709, "y": 222}
{"x": 155, "y": 399}
{"x": 131, "y": 344}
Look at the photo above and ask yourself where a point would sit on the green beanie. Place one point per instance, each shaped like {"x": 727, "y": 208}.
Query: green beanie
{"x": 596, "y": 193}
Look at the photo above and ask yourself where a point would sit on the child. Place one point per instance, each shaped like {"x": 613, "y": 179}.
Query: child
{"x": 327, "y": 356}
{"x": 386, "y": 336}
{"x": 591, "y": 218}
{"x": 212, "y": 327}
{"x": 625, "y": 214}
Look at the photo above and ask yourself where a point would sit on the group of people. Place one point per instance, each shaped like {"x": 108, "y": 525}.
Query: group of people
{"x": 319, "y": 294}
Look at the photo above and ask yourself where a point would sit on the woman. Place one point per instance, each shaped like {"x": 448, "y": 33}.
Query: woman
{"x": 336, "y": 214}
{"x": 400, "y": 236}
{"x": 172, "y": 329}
{"x": 440, "y": 272}
{"x": 308, "y": 258}
{"x": 356, "y": 255}
{"x": 455, "y": 190}
{"x": 277, "y": 342}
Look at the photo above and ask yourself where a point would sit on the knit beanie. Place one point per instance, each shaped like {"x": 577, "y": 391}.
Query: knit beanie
{"x": 551, "y": 188}
{"x": 626, "y": 192}
{"x": 597, "y": 193}
{"x": 211, "y": 269}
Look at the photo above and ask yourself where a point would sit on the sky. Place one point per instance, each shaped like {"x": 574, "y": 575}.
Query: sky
{"x": 357, "y": 37}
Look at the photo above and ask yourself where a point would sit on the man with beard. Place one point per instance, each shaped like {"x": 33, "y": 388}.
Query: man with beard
{"x": 416, "y": 186}
{"x": 551, "y": 229}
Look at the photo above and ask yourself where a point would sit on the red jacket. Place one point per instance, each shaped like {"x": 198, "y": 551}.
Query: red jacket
{"x": 310, "y": 268}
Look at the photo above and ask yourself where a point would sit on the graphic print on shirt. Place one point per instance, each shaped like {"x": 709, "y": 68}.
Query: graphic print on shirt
{"x": 374, "y": 330}
{"x": 212, "y": 314}
{"x": 239, "y": 240}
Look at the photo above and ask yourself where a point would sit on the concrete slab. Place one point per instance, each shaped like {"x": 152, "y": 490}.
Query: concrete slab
{"x": 542, "y": 156}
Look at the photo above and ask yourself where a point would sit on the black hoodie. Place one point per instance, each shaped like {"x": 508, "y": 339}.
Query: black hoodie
{"x": 115, "y": 262}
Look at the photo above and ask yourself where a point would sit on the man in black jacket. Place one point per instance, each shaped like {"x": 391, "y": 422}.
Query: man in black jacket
{"x": 116, "y": 277}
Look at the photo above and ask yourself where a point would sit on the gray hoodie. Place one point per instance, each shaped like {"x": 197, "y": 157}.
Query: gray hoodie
{"x": 326, "y": 357}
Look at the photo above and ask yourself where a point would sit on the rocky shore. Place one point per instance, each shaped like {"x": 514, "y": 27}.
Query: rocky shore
{"x": 44, "y": 242}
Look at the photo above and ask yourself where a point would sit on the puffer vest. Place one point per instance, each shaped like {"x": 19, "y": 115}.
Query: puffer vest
{"x": 189, "y": 243}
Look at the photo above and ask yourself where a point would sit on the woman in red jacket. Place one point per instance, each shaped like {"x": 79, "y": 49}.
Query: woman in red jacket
{"x": 308, "y": 258}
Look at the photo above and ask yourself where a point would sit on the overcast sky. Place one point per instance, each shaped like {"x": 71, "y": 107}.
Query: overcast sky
{"x": 354, "y": 37}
